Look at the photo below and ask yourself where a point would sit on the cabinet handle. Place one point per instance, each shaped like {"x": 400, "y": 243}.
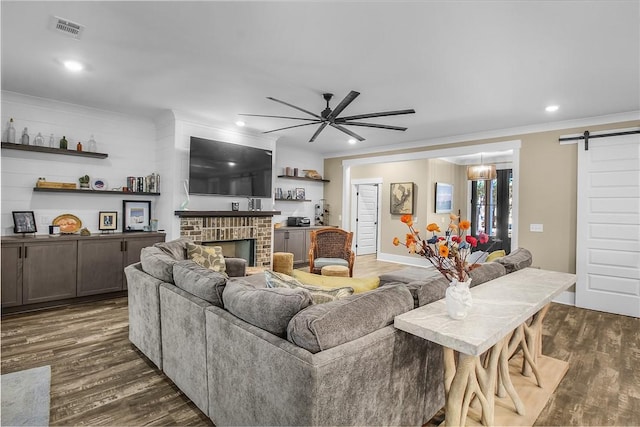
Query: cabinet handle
{"x": 122, "y": 246}
{"x": 19, "y": 251}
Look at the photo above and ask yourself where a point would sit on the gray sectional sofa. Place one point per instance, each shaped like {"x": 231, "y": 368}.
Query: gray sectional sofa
{"x": 246, "y": 354}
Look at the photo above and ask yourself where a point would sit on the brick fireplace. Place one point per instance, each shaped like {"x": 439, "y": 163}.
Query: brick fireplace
{"x": 227, "y": 226}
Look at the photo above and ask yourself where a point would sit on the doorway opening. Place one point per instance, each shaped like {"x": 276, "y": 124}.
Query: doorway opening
{"x": 492, "y": 210}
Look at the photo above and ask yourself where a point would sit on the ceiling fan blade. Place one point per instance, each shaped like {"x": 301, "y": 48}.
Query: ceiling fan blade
{"x": 293, "y": 106}
{"x": 276, "y": 117}
{"x": 320, "y": 128}
{"x": 370, "y": 125}
{"x": 347, "y": 131}
{"x": 343, "y": 104}
{"x": 380, "y": 114}
{"x": 296, "y": 126}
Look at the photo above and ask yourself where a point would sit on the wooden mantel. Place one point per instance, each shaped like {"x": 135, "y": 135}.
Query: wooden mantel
{"x": 205, "y": 214}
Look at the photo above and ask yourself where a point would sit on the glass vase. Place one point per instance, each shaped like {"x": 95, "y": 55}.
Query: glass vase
{"x": 458, "y": 299}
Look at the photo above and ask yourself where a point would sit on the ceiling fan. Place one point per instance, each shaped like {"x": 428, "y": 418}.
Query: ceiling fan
{"x": 330, "y": 117}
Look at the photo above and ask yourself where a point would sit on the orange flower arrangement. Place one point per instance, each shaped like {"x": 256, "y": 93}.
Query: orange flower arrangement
{"x": 447, "y": 253}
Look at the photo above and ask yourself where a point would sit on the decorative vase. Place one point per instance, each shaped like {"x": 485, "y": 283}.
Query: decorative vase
{"x": 458, "y": 299}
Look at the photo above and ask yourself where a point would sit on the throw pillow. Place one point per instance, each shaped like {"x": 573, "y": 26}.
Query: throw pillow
{"x": 267, "y": 308}
{"x": 318, "y": 295}
{"x": 359, "y": 284}
{"x": 495, "y": 255}
{"x": 516, "y": 260}
{"x": 207, "y": 256}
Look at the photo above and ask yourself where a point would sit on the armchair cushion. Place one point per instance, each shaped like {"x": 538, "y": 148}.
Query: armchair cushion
{"x": 318, "y": 263}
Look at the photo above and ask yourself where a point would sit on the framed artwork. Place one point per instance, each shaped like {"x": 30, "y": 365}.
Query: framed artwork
{"x": 136, "y": 215}
{"x": 444, "y": 197}
{"x": 402, "y": 198}
{"x": 24, "y": 222}
{"x": 299, "y": 193}
{"x": 108, "y": 220}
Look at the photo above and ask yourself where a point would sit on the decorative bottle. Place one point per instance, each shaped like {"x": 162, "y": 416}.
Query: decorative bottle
{"x": 93, "y": 146}
{"x": 79, "y": 146}
{"x": 38, "y": 140}
{"x": 63, "y": 143}
{"x": 11, "y": 132}
{"x": 25, "y": 137}
{"x": 52, "y": 141}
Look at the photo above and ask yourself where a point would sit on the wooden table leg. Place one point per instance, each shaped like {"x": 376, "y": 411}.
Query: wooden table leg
{"x": 469, "y": 379}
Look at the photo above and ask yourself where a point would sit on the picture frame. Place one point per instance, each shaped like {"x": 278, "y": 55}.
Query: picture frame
{"x": 444, "y": 198}
{"x": 107, "y": 220}
{"x": 402, "y": 198}
{"x": 136, "y": 215}
{"x": 24, "y": 222}
{"x": 299, "y": 194}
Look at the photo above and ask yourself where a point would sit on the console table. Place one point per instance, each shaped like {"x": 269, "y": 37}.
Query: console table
{"x": 507, "y": 315}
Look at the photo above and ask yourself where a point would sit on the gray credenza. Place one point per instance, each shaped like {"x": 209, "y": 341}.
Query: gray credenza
{"x": 41, "y": 271}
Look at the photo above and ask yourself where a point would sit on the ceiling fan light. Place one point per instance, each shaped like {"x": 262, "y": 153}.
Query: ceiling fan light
{"x": 481, "y": 172}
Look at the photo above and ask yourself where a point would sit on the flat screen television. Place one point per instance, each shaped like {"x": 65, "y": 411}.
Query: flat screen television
{"x": 225, "y": 169}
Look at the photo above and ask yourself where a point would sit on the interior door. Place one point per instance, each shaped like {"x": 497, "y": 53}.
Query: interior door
{"x": 367, "y": 219}
{"x": 608, "y": 225}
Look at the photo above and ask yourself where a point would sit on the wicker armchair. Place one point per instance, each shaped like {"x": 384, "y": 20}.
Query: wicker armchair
{"x": 331, "y": 246}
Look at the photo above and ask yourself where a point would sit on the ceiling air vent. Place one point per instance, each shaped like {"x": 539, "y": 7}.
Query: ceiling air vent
{"x": 67, "y": 27}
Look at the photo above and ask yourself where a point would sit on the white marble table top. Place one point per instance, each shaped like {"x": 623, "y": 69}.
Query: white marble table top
{"x": 499, "y": 306}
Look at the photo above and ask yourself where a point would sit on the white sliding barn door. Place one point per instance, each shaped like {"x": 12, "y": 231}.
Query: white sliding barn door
{"x": 608, "y": 225}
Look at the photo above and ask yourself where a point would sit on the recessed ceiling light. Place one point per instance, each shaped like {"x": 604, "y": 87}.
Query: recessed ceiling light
{"x": 240, "y": 123}
{"x": 231, "y": 163}
{"x": 352, "y": 141}
{"x": 551, "y": 108}
{"x": 74, "y": 66}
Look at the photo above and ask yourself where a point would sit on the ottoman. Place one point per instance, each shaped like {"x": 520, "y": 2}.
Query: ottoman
{"x": 283, "y": 262}
{"x": 335, "y": 270}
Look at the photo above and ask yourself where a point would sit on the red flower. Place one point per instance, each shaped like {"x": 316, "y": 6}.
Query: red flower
{"x": 456, "y": 239}
{"x": 472, "y": 241}
{"x": 483, "y": 238}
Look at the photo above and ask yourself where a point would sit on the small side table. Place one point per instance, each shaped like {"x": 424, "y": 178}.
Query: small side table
{"x": 335, "y": 270}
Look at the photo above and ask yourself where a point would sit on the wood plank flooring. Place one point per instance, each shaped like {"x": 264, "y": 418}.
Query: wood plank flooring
{"x": 99, "y": 378}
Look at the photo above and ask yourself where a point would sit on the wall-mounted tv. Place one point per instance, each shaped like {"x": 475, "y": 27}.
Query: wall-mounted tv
{"x": 225, "y": 169}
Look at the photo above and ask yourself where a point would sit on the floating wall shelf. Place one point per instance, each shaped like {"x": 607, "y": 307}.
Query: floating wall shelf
{"x": 302, "y": 178}
{"x": 39, "y": 149}
{"x": 101, "y": 192}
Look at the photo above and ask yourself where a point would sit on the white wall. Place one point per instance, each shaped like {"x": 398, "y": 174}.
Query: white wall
{"x": 314, "y": 191}
{"x": 129, "y": 142}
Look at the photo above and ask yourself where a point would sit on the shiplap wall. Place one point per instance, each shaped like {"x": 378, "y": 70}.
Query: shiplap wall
{"x": 129, "y": 142}
{"x": 314, "y": 191}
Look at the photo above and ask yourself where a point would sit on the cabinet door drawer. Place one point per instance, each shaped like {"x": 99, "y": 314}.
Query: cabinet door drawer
{"x": 11, "y": 274}
{"x": 100, "y": 266}
{"x": 49, "y": 271}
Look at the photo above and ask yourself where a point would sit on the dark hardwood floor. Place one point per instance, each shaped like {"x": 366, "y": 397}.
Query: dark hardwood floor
{"x": 99, "y": 378}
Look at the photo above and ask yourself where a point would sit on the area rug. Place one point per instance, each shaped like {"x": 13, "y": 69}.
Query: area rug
{"x": 25, "y": 397}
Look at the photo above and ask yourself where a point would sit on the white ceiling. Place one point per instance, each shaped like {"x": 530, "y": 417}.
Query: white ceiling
{"x": 465, "y": 67}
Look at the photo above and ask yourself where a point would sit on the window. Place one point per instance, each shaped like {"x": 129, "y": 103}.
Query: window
{"x": 491, "y": 210}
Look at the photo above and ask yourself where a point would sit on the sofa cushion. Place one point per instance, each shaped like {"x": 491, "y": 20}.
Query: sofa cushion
{"x": 157, "y": 263}
{"x": 318, "y": 295}
{"x": 485, "y": 272}
{"x": 324, "y": 326}
{"x": 176, "y": 248}
{"x": 200, "y": 281}
{"x": 207, "y": 256}
{"x": 516, "y": 260}
{"x": 477, "y": 257}
{"x": 270, "y": 309}
{"x": 359, "y": 284}
{"x": 409, "y": 274}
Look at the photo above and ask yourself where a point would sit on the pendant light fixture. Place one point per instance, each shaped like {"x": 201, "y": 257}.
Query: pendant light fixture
{"x": 481, "y": 172}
